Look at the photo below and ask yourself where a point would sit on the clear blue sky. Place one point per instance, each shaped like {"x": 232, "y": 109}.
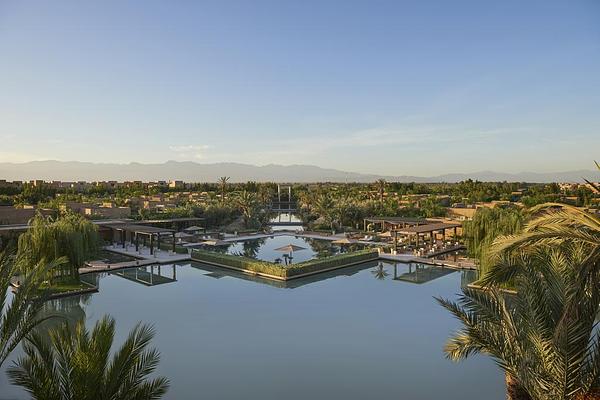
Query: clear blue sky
{"x": 390, "y": 87}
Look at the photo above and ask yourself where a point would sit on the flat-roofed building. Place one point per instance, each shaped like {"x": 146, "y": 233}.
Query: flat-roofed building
{"x": 10, "y": 215}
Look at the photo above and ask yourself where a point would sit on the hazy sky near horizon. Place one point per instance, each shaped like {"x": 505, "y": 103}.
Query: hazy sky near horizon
{"x": 388, "y": 87}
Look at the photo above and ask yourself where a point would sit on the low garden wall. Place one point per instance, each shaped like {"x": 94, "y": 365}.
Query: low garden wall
{"x": 284, "y": 272}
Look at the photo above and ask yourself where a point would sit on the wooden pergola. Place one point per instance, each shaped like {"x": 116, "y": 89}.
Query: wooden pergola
{"x": 430, "y": 229}
{"x": 136, "y": 231}
{"x": 176, "y": 223}
{"x": 395, "y": 222}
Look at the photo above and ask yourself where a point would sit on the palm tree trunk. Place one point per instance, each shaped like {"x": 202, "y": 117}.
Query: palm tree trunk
{"x": 514, "y": 390}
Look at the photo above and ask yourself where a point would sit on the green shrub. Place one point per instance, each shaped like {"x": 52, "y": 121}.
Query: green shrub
{"x": 282, "y": 271}
{"x": 487, "y": 224}
{"x": 169, "y": 246}
{"x": 338, "y": 260}
{"x": 71, "y": 237}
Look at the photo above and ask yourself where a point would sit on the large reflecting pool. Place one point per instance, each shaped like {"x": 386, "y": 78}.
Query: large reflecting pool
{"x": 267, "y": 248}
{"x": 371, "y": 331}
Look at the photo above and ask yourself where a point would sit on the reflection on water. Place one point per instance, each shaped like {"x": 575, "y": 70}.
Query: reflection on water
{"x": 70, "y": 310}
{"x": 380, "y": 273}
{"x": 266, "y": 248}
{"x": 286, "y": 221}
{"x": 355, "y": 333}
{"x": 420, "y": 273}
{"x": 150, "y": 275}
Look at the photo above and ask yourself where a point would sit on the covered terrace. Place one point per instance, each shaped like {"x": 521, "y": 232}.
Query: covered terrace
{"x": 133, "y": 232}
{"x": 394, "y": 223}
{"x": 429, "y": 230}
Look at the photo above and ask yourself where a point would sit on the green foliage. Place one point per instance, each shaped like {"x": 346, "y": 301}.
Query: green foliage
{"x": 285, "y": 272}
{"x": 33, "y": 194}
{"x": 168, "y": 246}
{"x": 338, "y": 260}
{"x": 253, "y": 212}
{"x": 77, "y": 364}
{"x": 216, "y": 214}
{"x": 432, "y": 208}
{"x": 544, "y": 337}
{"x": 238, "y": 261}
{"x": 20, "y": 316}
{"x": 71, "y": 237}
{"x": 488, "y": 224}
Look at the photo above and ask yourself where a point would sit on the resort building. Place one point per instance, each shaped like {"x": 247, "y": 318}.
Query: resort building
{"x": 106, "y": 210}
{"x": 10, "y": 215}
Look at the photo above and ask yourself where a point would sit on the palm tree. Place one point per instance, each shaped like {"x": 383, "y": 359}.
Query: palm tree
{"x": 381, "y": 185}
{"x": 325, "y": 208}
{"x": 265, "y": 193}
{"x": 546, "y": 341}
{"x": 594, "y": 186}
{"x": 380, "y": 273}
{"x": 553, "y": 226}
{"x": 76, "y": 364}
{"x": 19, "y": 317}
{"x": 247, "y": 203}
{"x": 223, "y": 183}
{"x": 544, "y": 337}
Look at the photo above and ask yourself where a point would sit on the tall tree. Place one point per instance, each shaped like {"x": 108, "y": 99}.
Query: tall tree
{"x": 544, "y": 337}
{"x": 381, "y": 185}
{"x": 70, "y": 236}
{"x": 248, "y": 205}
{"x": 76, "y": 364}
{"x": 325, "y": 208}
{"x": 223, "y": 184}
{"x": 487, "y": 225}
{"x": 594, "y": 186}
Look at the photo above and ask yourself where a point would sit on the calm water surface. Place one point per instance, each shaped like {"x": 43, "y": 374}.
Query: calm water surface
{"x": 353, "y": 334}
{"x": 266, "y": 248}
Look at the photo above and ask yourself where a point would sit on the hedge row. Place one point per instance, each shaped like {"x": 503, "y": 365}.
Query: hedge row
{"x": 169, "y": 246}
{"x": 282, "y": 271}
{"x": 339, "y": 260}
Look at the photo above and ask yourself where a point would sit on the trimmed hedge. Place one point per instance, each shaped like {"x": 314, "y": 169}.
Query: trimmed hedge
{"x": 338, "y": 260}
{"x": 282, "y": 271}
{"x": 169, "y": 246}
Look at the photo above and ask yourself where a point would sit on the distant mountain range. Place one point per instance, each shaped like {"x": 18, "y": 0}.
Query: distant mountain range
{"x": 195, "y": 172}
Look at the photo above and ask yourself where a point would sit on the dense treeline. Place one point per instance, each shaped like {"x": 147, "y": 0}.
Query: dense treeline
{"x": 468, "y": 191}
{"x": 335, "y": 208}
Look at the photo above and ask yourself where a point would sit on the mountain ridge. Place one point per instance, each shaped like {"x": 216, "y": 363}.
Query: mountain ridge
{"x": 190, "y": 171}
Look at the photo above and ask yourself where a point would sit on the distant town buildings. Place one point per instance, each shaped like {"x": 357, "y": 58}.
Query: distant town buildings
{"x": 10, "y": 215}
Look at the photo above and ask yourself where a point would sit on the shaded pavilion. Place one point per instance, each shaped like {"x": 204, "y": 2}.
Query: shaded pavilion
{"x": 430, "y": 229}
{"x": 394, "y": 223}
{"x": 176, "y": 223}
{"x": 145, "y": 232}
